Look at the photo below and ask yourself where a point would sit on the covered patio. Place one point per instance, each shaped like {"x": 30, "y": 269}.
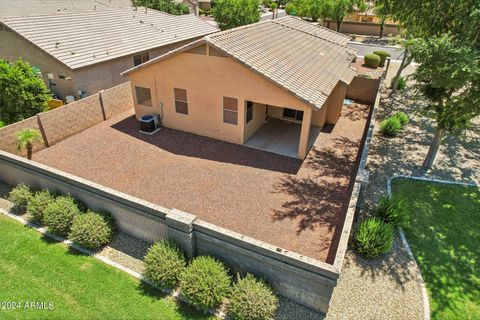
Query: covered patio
{"x": 281, "y": 137}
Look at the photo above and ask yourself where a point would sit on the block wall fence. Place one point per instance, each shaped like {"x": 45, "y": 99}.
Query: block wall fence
{"x": 58, "y": 124}
{"x": 301, "y": 279}
{"x": 362, "y": 28}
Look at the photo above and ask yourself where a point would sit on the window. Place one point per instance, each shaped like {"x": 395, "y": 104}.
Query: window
{"x": 140, "y": 58}
{"x": 143, "y": 95}
{"x": 293, "y": 114}
{"x": 249, "y": 111}
{"x": 230, "y": 110}
{"x": 181, "y": 104}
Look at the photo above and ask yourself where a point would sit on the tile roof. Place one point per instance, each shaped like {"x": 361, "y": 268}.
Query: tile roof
{"x": 305, "y": 59}
{"x": 83, "y": 39}
{"x": 30, "y": 7}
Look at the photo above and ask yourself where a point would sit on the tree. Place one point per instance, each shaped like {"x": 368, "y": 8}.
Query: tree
{"x": 384, "y": 9}
{"x": 407, "y": 59}
{"x": 447, "y": 50}
{"x": 168, "y": 6}
{"x": 23, "y": 93}
{"x": 314, "y": 9}
{"x": 25, "y": 140}
{"x": 448, "y": 77}
{"x": 234, "y": 13}
{"x": 338, "y": 9}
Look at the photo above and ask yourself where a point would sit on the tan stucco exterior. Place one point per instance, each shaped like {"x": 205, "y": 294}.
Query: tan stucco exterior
{"x": 90, "y": 79}
{"x": 207, "y": 79}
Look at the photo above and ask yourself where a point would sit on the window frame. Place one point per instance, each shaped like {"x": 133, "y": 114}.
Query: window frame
{"x": 142, "y": 58}
{"x": 227, "y": 110}
{"x": 142, "y": 103}
{"x": 180, "y": 101}
{"x": 296, "y": 117}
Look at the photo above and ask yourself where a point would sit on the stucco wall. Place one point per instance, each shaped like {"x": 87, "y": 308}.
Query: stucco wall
{"x": 207, "y": 80}
{"x": 14, "y": 46}
{"x": 362, "y": 28}
{"x": 334, "y": 103}
{"x": 105, "y": 75}
{"x": 257, "y": 121}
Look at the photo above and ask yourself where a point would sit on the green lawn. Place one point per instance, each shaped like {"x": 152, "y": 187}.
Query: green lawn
{"x": 34, "y": 268}
{"x": 444, "y": 233}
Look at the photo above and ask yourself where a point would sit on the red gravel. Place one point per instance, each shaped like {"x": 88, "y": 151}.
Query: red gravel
{"x": 299, "y": 206}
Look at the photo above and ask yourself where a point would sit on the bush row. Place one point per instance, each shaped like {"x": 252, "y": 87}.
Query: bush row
{"x": 376, "y": 59}
{"x": 65, "y": 215}
{"x": 375, "y": 234}
{"x": 393, "y": 125}
{"x": 206, "y": 283}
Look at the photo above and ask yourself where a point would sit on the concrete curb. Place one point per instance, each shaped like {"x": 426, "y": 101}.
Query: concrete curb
{"x": 374, "y": 45}
{"x": 423, "y": 288}
{"x": 174, "y": 293}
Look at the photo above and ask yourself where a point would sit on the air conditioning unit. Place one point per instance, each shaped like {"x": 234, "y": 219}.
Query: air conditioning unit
{"x": 150, "y": 124}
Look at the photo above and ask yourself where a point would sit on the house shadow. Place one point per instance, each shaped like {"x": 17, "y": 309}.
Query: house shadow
{"x": 192, "y": 145}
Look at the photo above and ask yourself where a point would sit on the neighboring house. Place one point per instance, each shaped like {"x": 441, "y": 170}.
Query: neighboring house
{"x": 31, "y": 7}
{"x": 243, "y": 84}
{"x": 368, "y": 16}
{"x": 79, "y": 54}
{"x": 191, "y": 4}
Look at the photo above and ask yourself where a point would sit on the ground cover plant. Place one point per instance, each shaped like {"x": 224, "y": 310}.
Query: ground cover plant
{"x": 35, "y": 268}
{"x": 373, "y": 237}
{"x": 443, "y": 232}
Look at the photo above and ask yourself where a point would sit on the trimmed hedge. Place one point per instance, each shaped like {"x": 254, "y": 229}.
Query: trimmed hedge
{"x": 372, "y": 60}
{"x": 393, "y": 210}
{"x": 90, "y": 230}
{"x": 383, "y": 56}
{"x": 252, "y": 299}
{"x": 205, "y": 282}
{"x": 58, "y": 215}
{"x": 20, "y": 196}
{"x": 390, "y": 127}
{"x": 164, "y": 263}
{"x": 38, "y": 203}
{"x": 373, "y": 237}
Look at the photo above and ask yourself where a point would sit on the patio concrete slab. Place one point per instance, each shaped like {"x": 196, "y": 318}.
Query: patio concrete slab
{"x": 296, "y": 205}
{"x": 281, "y": 137}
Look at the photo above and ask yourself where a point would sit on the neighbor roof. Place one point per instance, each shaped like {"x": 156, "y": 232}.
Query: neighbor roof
{"x": 83, "y": 39}
{"x": 305, "y": 59}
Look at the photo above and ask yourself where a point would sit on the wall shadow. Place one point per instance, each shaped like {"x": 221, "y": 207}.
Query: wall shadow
{"x": 192, "y": 145}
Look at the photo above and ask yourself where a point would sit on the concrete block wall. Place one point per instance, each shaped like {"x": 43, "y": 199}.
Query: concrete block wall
{"x": 117, "y": 99}
{"x": 72, "y": 118}
{"x": 363, "y": 89}
{"x": 8, "y": 140}
{"x": 362, "y": 28}
{"x": 61, "y": 123}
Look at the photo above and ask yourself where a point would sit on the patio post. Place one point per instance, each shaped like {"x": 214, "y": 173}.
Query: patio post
{"x": 306, "y": 123}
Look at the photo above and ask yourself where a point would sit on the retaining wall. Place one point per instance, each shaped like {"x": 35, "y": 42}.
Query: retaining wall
{"x": 363, "y": 89}
{"x": 61, "y": 123}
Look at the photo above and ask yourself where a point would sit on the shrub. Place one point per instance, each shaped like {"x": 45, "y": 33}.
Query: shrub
{"x": 392, "y": 209}
{"x": 38, "y": 203}
{"x": 383, "y": 56}
{"x": 109, "y": 219}
{"x": 373, "y": 237}
{"x": 390, "y": 127}
{"x": 90, "y": 230}
{"x": 252, "y": 299}
{"x": 58, "y": 215}
{"x": 164, "y": 263}
{"x": 402, "y": 117}
{"x": 371, "y": 60}
{"x": 20, "y": 196}
{"x": 402, "y": 83}
{"x": 205, "y": 282}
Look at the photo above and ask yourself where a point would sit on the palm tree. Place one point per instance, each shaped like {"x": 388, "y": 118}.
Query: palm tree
{"x": 25, "y": 140}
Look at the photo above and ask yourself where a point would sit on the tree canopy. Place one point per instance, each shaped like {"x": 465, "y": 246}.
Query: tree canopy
{"x": 168, "y": 6}
{"x": 23, "y": 93}
{"x": 338, "y": 9}
{"x": 234, "y": 13}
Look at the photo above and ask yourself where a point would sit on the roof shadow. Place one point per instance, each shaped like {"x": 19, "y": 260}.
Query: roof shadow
{"x": 192, "y": 145}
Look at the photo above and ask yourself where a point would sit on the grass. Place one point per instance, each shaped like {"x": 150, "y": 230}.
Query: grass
{"x": 444, "y": 233}
{"x": 34, "y": 268}
{"x": 2, "y": 124}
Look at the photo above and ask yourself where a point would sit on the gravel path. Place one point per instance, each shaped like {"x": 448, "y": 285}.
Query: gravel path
{"x": 387, "y": 287}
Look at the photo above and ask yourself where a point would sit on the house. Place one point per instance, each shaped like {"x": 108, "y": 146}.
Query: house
{"x": 79, "y": 54}
{"x": 271, "y": 85}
